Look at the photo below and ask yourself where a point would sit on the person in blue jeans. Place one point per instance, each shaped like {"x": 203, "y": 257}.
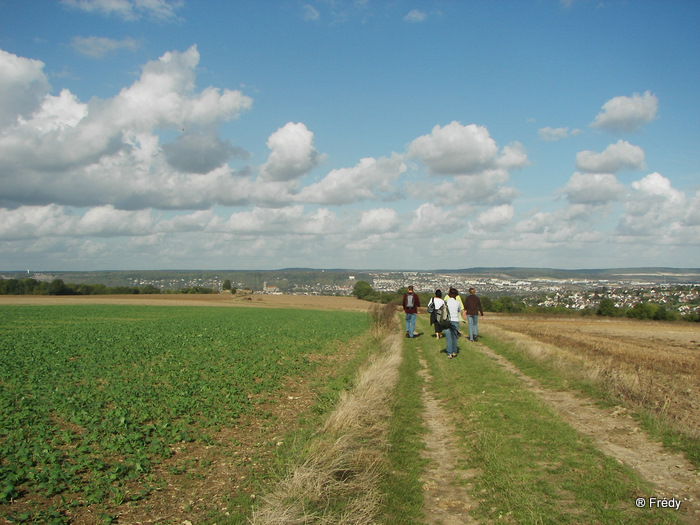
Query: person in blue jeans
{"x": 451, "y": 333}
{"x": 472, "y": 309}
{"x": 411, "y": 306}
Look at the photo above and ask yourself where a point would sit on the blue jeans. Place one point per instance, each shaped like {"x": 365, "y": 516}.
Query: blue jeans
{"x": 451, "y": 337}
{"x": 473, "y": 321}
{"x": 410, "y": 324}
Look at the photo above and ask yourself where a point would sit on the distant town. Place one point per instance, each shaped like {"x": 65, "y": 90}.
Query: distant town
{"x": 678, "y": 289}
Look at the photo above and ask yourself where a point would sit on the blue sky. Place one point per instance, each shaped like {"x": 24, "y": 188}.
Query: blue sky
{"x": 155, "y": 134}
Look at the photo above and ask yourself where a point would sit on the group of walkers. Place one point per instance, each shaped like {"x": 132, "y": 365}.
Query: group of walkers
{"x": 469, "y": 309}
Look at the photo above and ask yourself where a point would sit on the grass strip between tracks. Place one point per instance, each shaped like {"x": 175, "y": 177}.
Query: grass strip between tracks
{"x": 531, "y": 466}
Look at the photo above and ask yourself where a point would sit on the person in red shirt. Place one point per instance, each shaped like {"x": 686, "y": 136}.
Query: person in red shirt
{"x": 411, "y": 306}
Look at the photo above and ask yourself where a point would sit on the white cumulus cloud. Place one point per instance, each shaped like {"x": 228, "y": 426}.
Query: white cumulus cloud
{"x": 22, "y": 84}
{"x": 368, "y": 180}
{"x": 653, "y": 208}
{"x": 616, "y": 157}
{"x": 627, "y": 114}
{"x": 107, "y": 151}
{"x": 455, "y": 149}
{"x": 597, "y": 188}
{"x": 292, "y": 153}
{"x": 379, "y": 220}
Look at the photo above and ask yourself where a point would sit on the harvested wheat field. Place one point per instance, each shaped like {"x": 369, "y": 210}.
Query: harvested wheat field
{"x": 651, "y": 364}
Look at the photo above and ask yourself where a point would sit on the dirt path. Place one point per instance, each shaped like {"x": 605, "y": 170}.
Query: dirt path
{"x": 446, "y": 501}
{"x": 618, "y": 435}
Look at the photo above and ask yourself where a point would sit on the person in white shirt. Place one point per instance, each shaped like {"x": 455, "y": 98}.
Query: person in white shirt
{"x": 455, "y": 307}
{"x": 433, "y": 306}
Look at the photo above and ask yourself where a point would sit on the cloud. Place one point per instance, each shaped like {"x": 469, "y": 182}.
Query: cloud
{"x": 200, "y": 152}
{"x": 627, "y": 114}
{"x": 292, "y": 153}
{"x": 653, "y": 208}
{"x": 379, "y": 220}
{"x": 56, "y": 149}
{"x": 98, "y": 47}
{"x": 128, "y": 9}
{"x": 595, "y": 188}
{"x": 494, "y": 219}
{"x": 487, "y": 188}
{"x": 289, "y": 220}
{"x": 692, "y": 217}
{"x": 616, "y": 157}
{"x": 368, "y": 180}
{"x": 513, "y": 156}
{"x": 33, "y": 222}
{"x": 415, "y": 16}
{"x": 310, "y": 12}
{"x": 553, "y": 134}
{"x": 428, "y": 219}
{"x": 22, "y": 84}
{"x": 456, "y": 149}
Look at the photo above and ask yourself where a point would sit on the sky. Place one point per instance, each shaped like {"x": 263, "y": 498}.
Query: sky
{"x": 356, "y": 134}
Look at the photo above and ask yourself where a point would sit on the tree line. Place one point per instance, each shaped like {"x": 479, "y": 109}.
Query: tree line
{"x": 30, "y": 286}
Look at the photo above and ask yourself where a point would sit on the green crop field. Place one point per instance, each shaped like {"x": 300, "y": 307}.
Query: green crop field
{"x": 93, "y": 395}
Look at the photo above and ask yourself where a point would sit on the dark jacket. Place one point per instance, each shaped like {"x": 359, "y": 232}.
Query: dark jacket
{"x": 472, "y": 304}
{"x": 416, "y": 304}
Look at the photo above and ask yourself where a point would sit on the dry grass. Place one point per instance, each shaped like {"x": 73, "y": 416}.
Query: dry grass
{"x": 646, "y": 364}
{"x": 338, "y": 480}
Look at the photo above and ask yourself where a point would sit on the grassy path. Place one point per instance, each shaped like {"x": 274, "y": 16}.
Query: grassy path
{"x": 515, "y": 457}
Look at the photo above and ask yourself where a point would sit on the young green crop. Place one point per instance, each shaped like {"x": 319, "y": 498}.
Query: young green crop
{"x": 94, "y": 395}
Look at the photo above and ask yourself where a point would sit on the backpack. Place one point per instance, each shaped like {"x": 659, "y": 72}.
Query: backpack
{"x": 443, "y": 315}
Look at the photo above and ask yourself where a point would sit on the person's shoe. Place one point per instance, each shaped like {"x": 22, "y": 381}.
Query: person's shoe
{"x": 407, "y": 335}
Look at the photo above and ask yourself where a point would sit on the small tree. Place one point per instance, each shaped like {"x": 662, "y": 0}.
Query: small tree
{"x": 57, "y": 287}
{"x": 607, "y": 307}
{"x": 226, "y": 285}
{"x": 363, "y": 290}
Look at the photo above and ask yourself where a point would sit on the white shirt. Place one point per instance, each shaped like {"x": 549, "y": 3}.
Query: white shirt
{"x": 454, "y": 306}
{"x": 437, "y": 303}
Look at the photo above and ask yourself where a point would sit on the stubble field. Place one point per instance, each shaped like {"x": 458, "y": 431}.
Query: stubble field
{"x": 651, "y": 365}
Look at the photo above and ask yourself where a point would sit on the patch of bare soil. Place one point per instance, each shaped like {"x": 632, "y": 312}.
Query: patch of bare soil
{"x": 446, "y": 499}
{"x": 318, "y": 302}
{"x": 618, "y": 435}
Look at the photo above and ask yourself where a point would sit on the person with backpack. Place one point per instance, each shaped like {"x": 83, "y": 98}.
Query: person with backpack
{"x": 411, "y": 306}
{"x": 433, "y": 308}
{"x": 452, "y": 332}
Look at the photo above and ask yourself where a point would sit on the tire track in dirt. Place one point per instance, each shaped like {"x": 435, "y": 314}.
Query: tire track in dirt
{"x": 446, "y": 500}
{"x": 618, "y": 435}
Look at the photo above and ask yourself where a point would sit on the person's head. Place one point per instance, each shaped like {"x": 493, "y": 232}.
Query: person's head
{"x": 438, "y": 293}
{"x": 410, "y": 288}
{"x": 472, "y": 291}
{"x": 453, "y": 292}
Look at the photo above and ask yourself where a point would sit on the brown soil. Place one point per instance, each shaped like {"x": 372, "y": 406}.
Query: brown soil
{"x": 256, "y": 300}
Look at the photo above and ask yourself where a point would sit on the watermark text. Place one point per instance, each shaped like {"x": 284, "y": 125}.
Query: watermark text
{"x": 658, "y": 503}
